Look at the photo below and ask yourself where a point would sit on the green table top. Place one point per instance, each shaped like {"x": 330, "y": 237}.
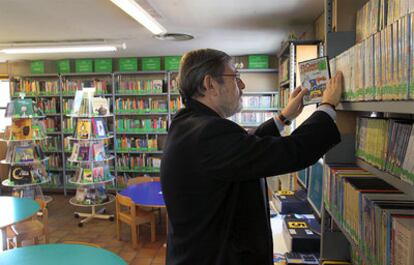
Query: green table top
{"x": 13, "y": 210}
{"x": 62, "y": 254}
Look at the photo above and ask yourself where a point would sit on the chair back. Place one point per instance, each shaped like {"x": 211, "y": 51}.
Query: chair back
{"x": 125, "y": 208}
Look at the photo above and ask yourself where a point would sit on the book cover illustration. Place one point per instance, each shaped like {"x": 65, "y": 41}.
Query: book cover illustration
{"x": 22, "y": 129}
{"x": 314, "y": 75}
{"x": 87, "y": 175}
{"x": 77, "y": 102}
{"x": 98, "y": 152}
{"x": 99, "y": 127}
{"x": 100, "y": 106}
{"x": 98, "y": 174}
{"x": 83, "y": 153}
{"x": 23, "y": 107}
{"x": 21, "y": 175}
{"x": 83, "y": 129}
{"x": 23, "y": 154}
{"x": 75, "y": 152}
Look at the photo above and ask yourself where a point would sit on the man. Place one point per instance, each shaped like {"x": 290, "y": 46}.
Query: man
{"x": 212, "y": 171}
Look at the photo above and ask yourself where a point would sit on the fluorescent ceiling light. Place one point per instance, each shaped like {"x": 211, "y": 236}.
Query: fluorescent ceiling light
{"x": 139, "y": 14}
{"x": 62, "y": 49}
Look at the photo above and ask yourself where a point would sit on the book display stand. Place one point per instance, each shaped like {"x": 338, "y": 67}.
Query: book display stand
{"x": 90, "y": 155}
{"x": 24, "y": 154}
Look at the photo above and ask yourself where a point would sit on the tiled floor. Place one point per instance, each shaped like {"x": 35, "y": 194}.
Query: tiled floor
{"x": 63, "y": 226}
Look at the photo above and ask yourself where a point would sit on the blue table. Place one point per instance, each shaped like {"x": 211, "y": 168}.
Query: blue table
{"x": 14, "y": 210}
{"x": 147, "y": 194}
{"x": 62, "y": 254}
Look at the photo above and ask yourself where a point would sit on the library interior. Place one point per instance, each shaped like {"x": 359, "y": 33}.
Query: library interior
{"x": 150, "y": 132}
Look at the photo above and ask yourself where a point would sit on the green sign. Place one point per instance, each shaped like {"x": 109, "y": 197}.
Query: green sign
{"x": 63, "y": 66}
{"x": 103, "y": 65}
{"x": 172, "y": 63}
{"x": 37, "y": 67}
{"x": 83, "y": 66}
{"x": 151, "y": 64}
{"x": 128, "y": 64}
{"x": 258, "y": 61}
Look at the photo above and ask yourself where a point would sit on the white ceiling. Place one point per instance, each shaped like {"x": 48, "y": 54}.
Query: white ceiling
{"x": 237, "y": 27}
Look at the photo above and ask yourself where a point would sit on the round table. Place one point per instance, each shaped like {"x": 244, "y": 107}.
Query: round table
{"x": 14, "y": 210}
{"x": 62, "y": 254}
{"x": 147, "y": 194}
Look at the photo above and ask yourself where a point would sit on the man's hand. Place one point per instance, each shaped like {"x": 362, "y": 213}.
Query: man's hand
{"x": 333, "y": 91}
{"x": 295, "y": 104}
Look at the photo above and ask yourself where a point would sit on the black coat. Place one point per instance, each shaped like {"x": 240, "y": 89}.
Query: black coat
{"x": 212, "y": 175}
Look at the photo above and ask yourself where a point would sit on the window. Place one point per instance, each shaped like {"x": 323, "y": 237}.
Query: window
{"x": 4, "y": 99}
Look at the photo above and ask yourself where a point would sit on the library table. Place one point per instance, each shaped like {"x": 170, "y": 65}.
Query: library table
{"x": 14, "y": 210}
{"x": 146, "y": 194}
{"x": 62, "y": 254}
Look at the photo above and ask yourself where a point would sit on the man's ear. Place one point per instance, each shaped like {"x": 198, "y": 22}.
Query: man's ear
{"x": 210, "y": 85}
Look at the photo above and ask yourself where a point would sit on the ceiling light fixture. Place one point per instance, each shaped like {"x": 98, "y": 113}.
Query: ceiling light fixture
{"x": 65, "y": 48}
{"x": 139, "y": 14}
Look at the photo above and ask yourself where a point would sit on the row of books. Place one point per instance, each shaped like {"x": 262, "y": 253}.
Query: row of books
{"x": 176, "y": 104}
{"x": 141, "y": 125}
{"x": 138, "y": 86}
{"x": 26, "y": 129}
{"x": 142, "y": 161}
{"x": 95, "y": 174}
{"x": 25, "y": 153}
{"x": 52, "y": 124}
{"x": 54, "y": 162}
{"x": 284, "y": 97}
{"x": 260, "y": 102}
{"x": 85, "y": 103}
{"x": 35, "y": 87}
{"x": 88, "y": 151}
{"x": 284, "y": 71}
{"x": 67, "y": 105}
{"x": 68, "y": 125}
{"x": 51, "y": 144}
{"x": 27, "y": 174}
{"x": 388, "y": 145}
{"x": 375, "y": 15}
{"x": 91, "y": 128}
{"x": 377, "y": 68}
{"x": 137, "y": 143}
{"x": 174, "y": 84}
{"x": 48, "y": 105}
{"x": 370, "y": 211}
{"x": 253, "y": 118}
{"x": 143, "y": 105}
{"x": 103, "y": 86}
{"x": 91, "y": 195}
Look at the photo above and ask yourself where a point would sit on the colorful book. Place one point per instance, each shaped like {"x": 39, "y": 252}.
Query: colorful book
{"x": 83, "y": 129}
{"x": 314, "y": 75}
{"x": 83, "y": 153}
{"x": 23, "y": 154}
{"x": 22, "y": 129}
{"x": 98, "y": 174}
{"x": 100, "y": 106}
{"x": 98, "y": 151}
{"x": 23, "y": 107}
{"x": 21, "y": 175}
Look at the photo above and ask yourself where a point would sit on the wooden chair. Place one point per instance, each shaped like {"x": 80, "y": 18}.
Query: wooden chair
{"x": 127, "y": 212}
{"x": 32, "y": 229}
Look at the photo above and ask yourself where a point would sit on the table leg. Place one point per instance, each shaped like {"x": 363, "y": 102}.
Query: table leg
{"x": 4, "y": 238}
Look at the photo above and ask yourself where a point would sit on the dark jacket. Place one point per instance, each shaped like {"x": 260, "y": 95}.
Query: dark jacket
{"x": 212, "y": 175}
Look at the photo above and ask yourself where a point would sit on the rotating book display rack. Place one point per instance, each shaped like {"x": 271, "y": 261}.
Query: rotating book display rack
{"x": 24, "y": 155}
{"x": 89, "y": 155}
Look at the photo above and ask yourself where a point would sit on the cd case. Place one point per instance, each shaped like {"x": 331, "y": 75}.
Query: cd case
{"x": 314, "y": 75}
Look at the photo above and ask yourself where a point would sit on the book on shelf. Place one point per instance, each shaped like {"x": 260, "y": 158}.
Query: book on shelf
{"x": 22, "y": 107}
{"x": 75, "y": 152}
{"x": 84, "y": 153}
{"x": 77, "y": 101}
{"x": 83, "y": 129}
{"x": 20, "y": 175}
{"x": 98, "y": 174}
{"x": 21, "y": 129}
{"x": 23, "y": 154}
{"x": 98, "y": 151}
{"x": 314, "y": 76}
{"x": 100, "y": 106}
{"x": 99, "y": 127}
{"x": 403, "y": 237}
{"x": 87, "y": 175}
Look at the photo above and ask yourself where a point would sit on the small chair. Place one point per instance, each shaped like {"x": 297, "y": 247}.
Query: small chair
{"x": 127, "y": 212}
{"x": 30, "y": 230}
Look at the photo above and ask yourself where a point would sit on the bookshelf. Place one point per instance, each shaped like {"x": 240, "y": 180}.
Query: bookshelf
{"x": 142, "y": 115}
{"x": 379, "y": 95}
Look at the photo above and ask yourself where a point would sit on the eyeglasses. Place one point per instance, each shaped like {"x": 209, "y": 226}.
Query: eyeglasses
{"x": 235, "y": 75}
